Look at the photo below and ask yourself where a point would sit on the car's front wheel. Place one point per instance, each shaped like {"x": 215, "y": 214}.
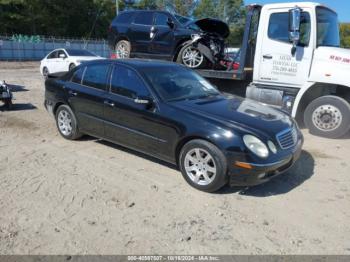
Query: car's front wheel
{"x": 66, "y": 123}
{"x": 203, "y": 165}
{"x": 123, "y": 49}
{"x": 328, "y": 116}
{"x": 191, "y": 57}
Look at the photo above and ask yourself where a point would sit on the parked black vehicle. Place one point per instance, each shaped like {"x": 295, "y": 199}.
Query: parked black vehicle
{"x": 170, "y": 112}
{"x": 161, "y": 35}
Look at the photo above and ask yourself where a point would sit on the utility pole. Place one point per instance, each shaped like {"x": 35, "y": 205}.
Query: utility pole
{"x": 117, "y": 6}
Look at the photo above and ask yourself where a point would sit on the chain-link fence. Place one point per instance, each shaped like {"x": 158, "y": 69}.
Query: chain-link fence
{"x": 33, "y": 48}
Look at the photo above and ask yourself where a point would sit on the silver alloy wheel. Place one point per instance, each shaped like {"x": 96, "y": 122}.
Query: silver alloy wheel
{"x": 327, "y": 117}
{"x": 122, "y": 50}
{"x": 200, "y": 166}
{"x": 191, "y": 57}
{"x": 64, "y": 121}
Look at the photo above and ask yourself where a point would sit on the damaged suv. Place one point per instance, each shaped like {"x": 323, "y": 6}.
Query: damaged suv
{"x": 162, "y": 35}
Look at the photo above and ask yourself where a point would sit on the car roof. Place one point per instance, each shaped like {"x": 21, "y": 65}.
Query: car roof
{"x": 137, "y": 63}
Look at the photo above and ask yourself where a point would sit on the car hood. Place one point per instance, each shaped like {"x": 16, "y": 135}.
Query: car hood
{"x": 211, "y": 25}
{"x": 240, "y": 113}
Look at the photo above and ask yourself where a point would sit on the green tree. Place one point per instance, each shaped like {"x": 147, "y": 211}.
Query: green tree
{"x": 206, "y": 8}
{"x": 345, "y": 35}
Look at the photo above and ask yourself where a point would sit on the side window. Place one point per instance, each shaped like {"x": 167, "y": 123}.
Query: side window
{"x": 52, "y": 55}
{"x": 124, "y": 18}
{"x": 60, "y": 52}
{"x": 96, "y": 76}
{"x": 279, "y": 28}
{"x": 78, "y": 75}
{"x": 126, "y": 82}
{"x": 161, "y": 19}
{"x": 144, "y": 18}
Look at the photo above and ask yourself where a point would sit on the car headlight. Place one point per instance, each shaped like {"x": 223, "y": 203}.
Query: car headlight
{"x": 255, "y": 145}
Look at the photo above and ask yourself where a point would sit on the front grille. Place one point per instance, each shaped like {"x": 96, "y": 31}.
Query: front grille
{"x": 287, "y": 138}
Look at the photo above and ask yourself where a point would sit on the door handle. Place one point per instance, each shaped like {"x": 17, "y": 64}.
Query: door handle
{"x": 109, "y": 103}
{"x": 267, "y": 57}
{"x": 72, "y": 93}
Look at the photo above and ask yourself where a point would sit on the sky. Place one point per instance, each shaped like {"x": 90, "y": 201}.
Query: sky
{"x": 342, "y": 7}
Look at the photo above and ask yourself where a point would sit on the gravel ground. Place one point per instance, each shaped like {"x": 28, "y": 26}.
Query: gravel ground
{"x": 92, "y": 197}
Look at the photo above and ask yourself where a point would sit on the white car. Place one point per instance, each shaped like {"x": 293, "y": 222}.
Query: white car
{"x": 64, "y": 60}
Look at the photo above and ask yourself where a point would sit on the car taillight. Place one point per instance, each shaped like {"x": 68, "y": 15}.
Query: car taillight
{"x": 110, "y": 28}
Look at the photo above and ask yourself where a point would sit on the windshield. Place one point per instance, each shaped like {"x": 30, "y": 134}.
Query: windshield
{"x": 73, "y": 52}
{"x": 327, "y": 28}
{"x": 178, "y": 83}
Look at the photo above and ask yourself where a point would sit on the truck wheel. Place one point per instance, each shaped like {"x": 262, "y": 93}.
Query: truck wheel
{"x": 123, "y": 49}
{"x": 203, "y": 165}
{"x": 66, "y": 123}
{"x": 328, "y": 116}
{"x": 191, "y": 57}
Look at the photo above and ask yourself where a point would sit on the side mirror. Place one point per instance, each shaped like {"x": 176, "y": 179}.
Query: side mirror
{"x": 294, "y": 27}
{"x": 170, "y": 23}
{"x": 62, "y": 56}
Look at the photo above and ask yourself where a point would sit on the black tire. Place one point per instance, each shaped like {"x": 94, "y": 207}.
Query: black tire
{"x": 126, "y": 44}
{"x": 219, "y": 180}
{"x": 74, "y": 133}
{"x": 8, "y": 104}
{"x": 71, "y": 66}
{"x": 179, "y": 58}
{"x": 332, "y": 108}
{"x": 46, "y": 72}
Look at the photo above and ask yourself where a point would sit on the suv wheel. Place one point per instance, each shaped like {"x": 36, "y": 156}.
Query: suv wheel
{"x": 203, "y": 165}
{"x": 191, "y": 57}
{"x": 123, "y": 49}
{"x": 66, "y": 123}
{"x": 328, "y": 116}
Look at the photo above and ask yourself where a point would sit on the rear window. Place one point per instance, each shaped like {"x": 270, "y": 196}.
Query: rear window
{"x": 124, "y": 18}
{"x": 96, "y": 76}
{"x": 144, "y": 18}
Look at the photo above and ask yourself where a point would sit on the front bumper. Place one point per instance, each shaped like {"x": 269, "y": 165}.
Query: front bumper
{"x": 261, "y": 173}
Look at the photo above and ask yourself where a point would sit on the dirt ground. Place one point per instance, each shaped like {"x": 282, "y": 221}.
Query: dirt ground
{"x": 92, "y": 197}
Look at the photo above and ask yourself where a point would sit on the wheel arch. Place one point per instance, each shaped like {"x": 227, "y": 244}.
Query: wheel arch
{"x": 306, "y": 96}
{"x": 120, "y": 38}
{"x": 187, "y": 139}
{"x": 178, "y": 47}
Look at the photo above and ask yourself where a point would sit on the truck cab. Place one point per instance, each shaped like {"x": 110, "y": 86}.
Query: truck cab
{"x": 292, "y": 58}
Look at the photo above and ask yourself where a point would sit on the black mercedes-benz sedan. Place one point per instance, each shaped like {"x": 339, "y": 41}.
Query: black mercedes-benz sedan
{"x": 170, "y": 112}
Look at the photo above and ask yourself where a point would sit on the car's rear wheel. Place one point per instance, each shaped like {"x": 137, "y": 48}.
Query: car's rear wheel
{"x": 328, "y": 116}
{"x": 123, "y": 49}
{"x": 191, "y": 57}
{"x": 66, "y": 123}
{"x": 46, "y": 72}
{"x": 203, "y": 165}
{"x": 71, "y": 66}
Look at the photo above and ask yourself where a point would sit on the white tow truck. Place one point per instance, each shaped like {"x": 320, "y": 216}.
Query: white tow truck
{"x": 291, "y": 58}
